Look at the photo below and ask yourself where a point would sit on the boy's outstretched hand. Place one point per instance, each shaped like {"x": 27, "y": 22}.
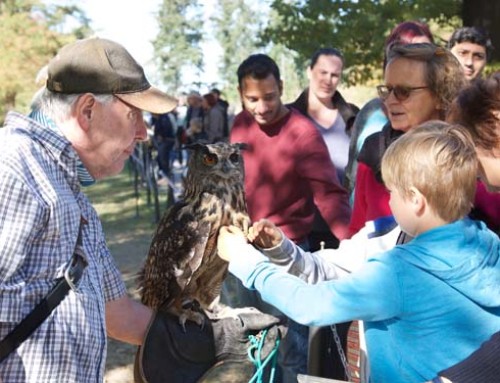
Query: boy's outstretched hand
{"x": 265, "y": 234}
{"x": 230, "y": 237}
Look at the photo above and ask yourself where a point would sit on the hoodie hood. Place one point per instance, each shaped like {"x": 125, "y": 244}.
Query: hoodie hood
{"x": 465, "y": 254}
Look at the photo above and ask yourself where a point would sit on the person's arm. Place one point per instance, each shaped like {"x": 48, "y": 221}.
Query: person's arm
{"x": 481, "y": 366}
{"x": 376, "y": 237}
{"x": 127, "y": 320}
{"x": 372, "y": 293}
{"x": 22, "y": 218}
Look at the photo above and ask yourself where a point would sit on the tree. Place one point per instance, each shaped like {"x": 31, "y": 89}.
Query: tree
{"x": 177, "y": 45}
{"x": 484, "y": 13}
{"x": 236, "y": 26}
{"x": 358, "y": 28}
{"x": 28, "y": 40}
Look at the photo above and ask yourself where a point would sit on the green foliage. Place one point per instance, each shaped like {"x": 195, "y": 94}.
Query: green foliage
{"x": 177, "y": 45}
{"x": 235, "y": 27}
{"x": 237, "y": 24}
{"x": 128, "y": 220}
{"x": 293, "y": 73}
{"x": 358, "y": 28}
{"x": 28, "y": 39}
{"x": 492, "y": 67}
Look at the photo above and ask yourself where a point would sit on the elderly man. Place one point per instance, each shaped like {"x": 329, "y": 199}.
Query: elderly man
{"x": 83, "y": 127}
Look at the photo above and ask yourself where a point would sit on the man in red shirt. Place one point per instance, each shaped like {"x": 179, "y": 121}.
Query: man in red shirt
{"x": 287, "y": 165}
{"x": 287, "y": 172}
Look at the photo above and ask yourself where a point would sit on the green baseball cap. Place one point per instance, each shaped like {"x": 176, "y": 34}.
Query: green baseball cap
{"x": 102, "y": 66}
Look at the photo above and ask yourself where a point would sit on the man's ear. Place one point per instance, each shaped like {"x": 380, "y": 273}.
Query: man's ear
{"x": 280, "y": 85}
{"x": 84, "y": 110}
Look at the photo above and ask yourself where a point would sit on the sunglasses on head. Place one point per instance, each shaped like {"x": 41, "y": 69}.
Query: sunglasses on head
{"x": 400, "y": 92}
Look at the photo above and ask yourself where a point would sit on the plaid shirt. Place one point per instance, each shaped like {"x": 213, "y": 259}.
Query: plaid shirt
{"x": 40, "y": 209}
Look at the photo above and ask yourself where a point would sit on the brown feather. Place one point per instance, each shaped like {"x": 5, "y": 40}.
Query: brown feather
{"x": 182, "y": 263}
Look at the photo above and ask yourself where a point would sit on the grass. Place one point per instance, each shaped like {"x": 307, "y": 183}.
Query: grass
{"x": 128, "y": 222}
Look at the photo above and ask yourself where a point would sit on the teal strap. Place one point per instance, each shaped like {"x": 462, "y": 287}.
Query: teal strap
{"x": 254, "y": 353}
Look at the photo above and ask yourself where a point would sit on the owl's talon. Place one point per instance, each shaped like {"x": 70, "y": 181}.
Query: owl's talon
{"x": 182, "y": 322}
{"x": 192, "y": 315}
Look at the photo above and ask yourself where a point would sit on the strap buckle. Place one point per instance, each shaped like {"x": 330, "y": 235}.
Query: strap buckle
{"x": 74, "y": 271}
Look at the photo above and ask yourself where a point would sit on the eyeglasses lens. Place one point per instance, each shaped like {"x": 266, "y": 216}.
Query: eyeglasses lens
{"x": 401, "y": 93}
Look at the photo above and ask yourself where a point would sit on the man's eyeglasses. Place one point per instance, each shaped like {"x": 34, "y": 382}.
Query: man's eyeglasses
{"x": 400, "y": 92}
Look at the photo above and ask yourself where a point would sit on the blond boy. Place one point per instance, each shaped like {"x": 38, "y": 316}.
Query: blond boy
{"x": 426, "y": 304}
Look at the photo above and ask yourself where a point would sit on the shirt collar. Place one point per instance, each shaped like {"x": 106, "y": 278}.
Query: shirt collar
{"x": 84, "y": 177}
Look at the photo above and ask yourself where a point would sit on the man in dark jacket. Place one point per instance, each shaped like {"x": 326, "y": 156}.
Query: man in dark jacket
{"x": 223, "y": 105}
{"x": 164, "y": 139}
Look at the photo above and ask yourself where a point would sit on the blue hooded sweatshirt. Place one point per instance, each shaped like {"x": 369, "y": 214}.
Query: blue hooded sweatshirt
{"x": 427, "y": 304}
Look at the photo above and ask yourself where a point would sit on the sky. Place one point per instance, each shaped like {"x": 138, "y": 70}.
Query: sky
{"x": 132, "y": 23}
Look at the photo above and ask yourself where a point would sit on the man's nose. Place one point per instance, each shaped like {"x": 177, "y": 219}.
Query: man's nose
{"x": 262, "y": 107}
{"x": 141, "y": 132}
{"x": 468, "y": 60}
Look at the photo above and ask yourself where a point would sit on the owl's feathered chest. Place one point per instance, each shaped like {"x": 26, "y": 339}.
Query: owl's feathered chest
{"x": 182, "y": 262}
{"x": 218, "y": 206}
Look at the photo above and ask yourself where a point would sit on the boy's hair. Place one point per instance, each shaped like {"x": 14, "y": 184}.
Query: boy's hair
{"x": 474, "y": 35}
{"x": 476, "y": 108}
{"x": 439, "y": 160}
{"x": 258, "y": 66}
{"x": 443, "y": 73}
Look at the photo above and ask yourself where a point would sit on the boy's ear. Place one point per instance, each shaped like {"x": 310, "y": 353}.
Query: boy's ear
{"x": 418, "y": 202}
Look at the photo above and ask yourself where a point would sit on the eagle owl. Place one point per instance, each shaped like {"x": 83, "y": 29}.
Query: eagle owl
{"x": 182, "y": 270}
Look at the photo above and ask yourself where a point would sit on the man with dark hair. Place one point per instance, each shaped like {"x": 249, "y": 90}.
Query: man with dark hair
{"x": 287, "y": 172}
{"x": 472, "y": 47}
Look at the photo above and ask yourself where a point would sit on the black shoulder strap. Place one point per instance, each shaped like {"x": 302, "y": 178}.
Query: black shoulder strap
{"x": 43, "y": 309}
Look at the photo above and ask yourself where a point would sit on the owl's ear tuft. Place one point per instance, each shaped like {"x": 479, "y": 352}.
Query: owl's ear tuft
{"x": 242, "y": 145}
{"x": 200, "y": 145}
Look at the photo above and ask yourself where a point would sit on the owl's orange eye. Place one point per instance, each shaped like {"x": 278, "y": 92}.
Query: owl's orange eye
{"x": 210, "y": 159}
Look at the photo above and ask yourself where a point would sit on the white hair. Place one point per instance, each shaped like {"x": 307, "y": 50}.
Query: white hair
{"x": 57, "y": 106}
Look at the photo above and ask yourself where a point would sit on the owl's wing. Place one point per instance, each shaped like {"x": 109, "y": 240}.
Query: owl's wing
{"x": 175, "y": 253}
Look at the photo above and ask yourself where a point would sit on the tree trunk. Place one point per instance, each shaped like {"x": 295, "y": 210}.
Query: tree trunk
{"x": 484, "y": 13}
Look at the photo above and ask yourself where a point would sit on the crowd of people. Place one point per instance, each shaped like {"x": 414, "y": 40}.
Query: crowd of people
{"x": 388, "y": 214}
